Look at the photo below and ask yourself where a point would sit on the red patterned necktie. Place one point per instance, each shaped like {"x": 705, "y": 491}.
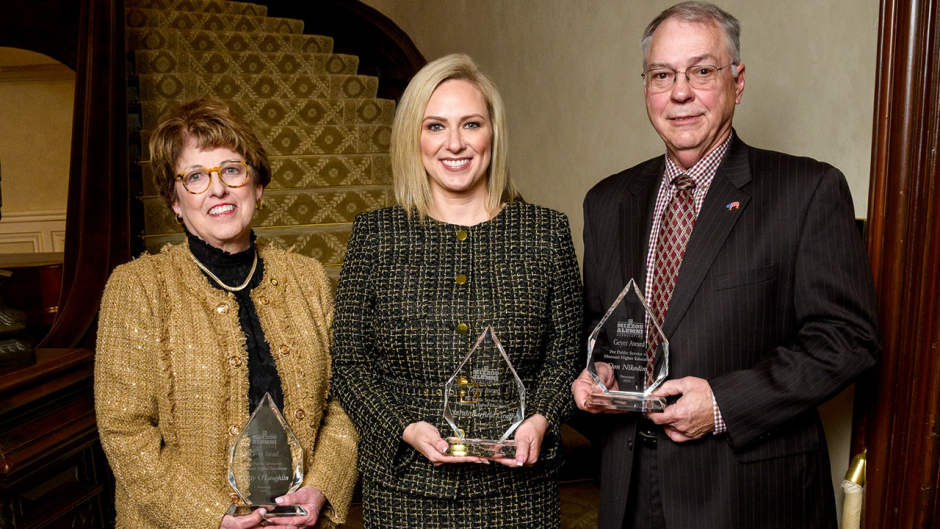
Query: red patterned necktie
{"x": 674, "y": 230}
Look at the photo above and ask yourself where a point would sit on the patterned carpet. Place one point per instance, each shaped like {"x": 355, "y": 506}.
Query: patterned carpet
{"x": 325, "y": 131}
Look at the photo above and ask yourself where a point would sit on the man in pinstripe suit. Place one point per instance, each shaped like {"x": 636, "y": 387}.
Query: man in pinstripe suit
{"x": 772, "y": 313}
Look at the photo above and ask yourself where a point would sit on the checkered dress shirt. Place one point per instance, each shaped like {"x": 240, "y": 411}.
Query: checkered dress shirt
{"x": 702, "y": 173}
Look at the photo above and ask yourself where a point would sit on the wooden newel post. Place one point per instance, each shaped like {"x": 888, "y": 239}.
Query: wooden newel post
{"x": 897, "y": 407}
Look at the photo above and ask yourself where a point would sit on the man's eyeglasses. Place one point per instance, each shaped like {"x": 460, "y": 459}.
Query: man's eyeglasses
{"x": 232, "y": 174}
{"x": 701, "y": 76}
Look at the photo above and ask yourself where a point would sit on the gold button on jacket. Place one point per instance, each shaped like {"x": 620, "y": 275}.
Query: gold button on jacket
{"x": 396, "y": 342}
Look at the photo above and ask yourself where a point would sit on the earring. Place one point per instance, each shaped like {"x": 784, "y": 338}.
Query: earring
{"x": 179, "y": 220}
{"x": 260, "y": 204}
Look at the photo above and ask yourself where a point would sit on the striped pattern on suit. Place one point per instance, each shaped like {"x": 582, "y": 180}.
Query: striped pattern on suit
{"x": 774, "y": 306}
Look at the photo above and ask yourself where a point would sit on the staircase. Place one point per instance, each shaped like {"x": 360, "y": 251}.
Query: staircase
{"x": 326, "y": 133}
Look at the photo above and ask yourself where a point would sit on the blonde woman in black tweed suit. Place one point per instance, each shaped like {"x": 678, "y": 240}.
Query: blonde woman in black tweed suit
{"x": 419, "y": 284}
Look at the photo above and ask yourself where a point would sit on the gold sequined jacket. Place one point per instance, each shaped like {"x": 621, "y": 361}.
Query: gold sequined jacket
{"x": 171, "y": 385}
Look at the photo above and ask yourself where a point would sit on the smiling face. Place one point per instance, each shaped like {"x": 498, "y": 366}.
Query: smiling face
{"x": 692, "y": 121}
{"x": 456, "y": 139}
{"x": 221, "y": 215}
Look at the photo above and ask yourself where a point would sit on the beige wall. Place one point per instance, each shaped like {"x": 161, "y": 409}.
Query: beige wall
{"x": 35, "y": 139}
{"x": 36, "y": 100}
{"x": 569, "y": 72}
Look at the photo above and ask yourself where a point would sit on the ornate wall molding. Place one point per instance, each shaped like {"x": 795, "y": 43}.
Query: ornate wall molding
{"x": 32, "y": 231}
{"x": 36, "y": 73}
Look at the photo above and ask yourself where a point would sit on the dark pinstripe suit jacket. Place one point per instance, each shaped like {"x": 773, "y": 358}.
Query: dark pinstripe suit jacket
{"x": 774, "y": 306}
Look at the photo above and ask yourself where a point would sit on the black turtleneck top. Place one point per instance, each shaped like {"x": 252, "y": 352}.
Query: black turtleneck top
{"x": 232, "y": 269}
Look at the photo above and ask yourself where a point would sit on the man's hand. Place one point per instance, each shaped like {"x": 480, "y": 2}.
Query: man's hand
{"x": 692, "y": 415}
{"x": 584, "y": 385}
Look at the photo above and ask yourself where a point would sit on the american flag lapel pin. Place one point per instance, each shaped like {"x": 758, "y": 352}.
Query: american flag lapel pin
{"x": 733, "y": 205}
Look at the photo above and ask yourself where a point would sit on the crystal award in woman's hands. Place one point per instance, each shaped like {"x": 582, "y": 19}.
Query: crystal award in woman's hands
{"x": 628, "y": 356}
{"x": 484, "y": 402}
{"x": 266, "y": 461}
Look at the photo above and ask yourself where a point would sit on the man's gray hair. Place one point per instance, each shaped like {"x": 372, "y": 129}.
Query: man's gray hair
{"x": 701, "y": 13}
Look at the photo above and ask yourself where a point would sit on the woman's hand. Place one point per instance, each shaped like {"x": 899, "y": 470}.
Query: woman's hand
{"x": 243, "y": 522}
{"x": 425, "y": 438}
{"x": 310, "y": 498}
{"x": 529, "y": 437}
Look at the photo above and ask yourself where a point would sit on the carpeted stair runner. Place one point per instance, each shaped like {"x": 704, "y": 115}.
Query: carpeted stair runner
{"x": 326, "y": 133}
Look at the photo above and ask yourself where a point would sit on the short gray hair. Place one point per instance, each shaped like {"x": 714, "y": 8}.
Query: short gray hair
{"x": 701, "y": 13}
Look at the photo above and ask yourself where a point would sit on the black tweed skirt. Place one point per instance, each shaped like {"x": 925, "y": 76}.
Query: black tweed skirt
{"x": 536, "y": 505}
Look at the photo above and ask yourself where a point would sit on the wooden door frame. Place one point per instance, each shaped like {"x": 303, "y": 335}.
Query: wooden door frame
{"x": 897, "y": 405}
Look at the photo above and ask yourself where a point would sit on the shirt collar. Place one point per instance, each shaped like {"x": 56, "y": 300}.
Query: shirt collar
{"x": 702, "y": 172}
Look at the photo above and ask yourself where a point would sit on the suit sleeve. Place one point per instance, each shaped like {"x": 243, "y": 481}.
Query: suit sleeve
{"x": 552, "y": 396}
{"x": 836, "y": 331}
{"x": 377, "y": 416}
{"x": 593, "y": 309}
{"x": 332, "y": 462}
{"x": 128, "y": 380}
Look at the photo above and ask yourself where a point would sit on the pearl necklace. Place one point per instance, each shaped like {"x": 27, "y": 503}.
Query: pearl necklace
{"x": 251, "y": 274}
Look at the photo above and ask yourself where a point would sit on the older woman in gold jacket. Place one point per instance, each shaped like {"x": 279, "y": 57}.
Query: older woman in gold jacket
{"x": 190, "y": 340}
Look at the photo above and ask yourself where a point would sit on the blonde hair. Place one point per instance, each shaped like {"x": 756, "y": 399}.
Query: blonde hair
{"x": 211, "y": 123}
{"x": 410, "y": 176}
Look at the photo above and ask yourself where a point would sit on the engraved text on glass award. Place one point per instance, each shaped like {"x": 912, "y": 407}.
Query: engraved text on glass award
{"x": 266, "y": 461}
{"x": 484, "y": 401}
{"x": 629, "y": 341}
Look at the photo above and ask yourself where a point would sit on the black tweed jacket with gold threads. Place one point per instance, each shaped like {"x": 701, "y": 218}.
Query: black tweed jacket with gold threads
{"x": 403, "y": 323}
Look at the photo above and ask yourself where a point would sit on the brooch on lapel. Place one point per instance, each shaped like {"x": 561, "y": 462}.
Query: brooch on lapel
{"x": 733, "y": 205}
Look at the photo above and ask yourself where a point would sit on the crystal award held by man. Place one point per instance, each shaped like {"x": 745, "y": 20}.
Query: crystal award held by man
{"x": 266, "y": 461}
{"x": 629, "y": 344}
{"x": 484, "y": 402}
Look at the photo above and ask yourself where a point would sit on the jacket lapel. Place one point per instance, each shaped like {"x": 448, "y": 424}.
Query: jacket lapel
{"x": 636, "y": 219}
{"x": 724, "y": 203}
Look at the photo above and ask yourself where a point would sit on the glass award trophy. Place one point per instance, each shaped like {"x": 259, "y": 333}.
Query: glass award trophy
{"x": 629, "y": 340}
{"x": 484, "y": 402}
{"x": 266, "y": 461}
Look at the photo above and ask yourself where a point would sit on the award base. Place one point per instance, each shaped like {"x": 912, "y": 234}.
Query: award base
{"x": 273, "y": 509}
{"x": 625, "y": 401}
{"x": 485, "y": 448}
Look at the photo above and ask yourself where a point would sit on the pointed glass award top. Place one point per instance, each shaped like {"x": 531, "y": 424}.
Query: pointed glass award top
{"x": 266, "y": 461}
{"x": 629, "y": 342}
{"x": 484, "y": 401}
